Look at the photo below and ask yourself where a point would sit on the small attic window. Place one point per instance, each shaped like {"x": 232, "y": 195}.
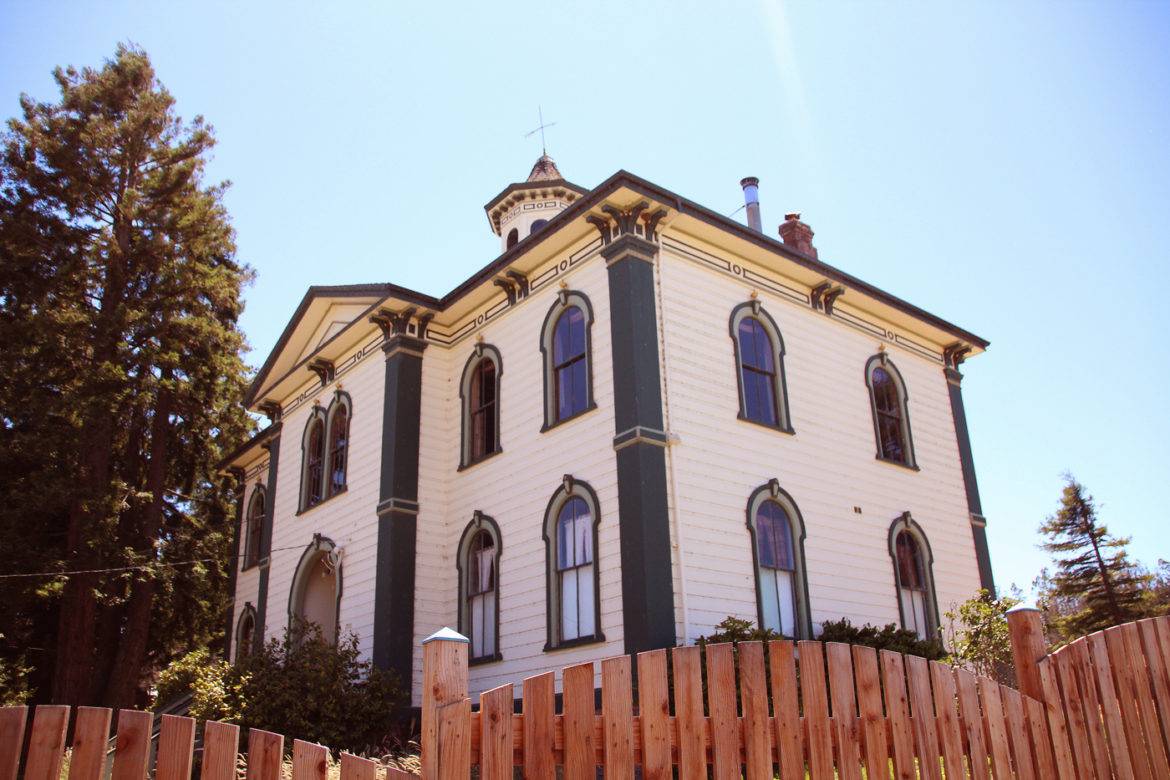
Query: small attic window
{"x": 513, "y": 237}
{"x": 537, "y": 225}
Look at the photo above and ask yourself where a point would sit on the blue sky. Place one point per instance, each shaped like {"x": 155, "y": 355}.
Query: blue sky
{"x": 1002, "y": 165}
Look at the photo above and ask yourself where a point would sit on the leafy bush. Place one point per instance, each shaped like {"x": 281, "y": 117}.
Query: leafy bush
{"x": 732, "y": 629}
{"x": 982, "y": 642}
{"x": 889, "y": 637}
{"x": 300, "y": 686}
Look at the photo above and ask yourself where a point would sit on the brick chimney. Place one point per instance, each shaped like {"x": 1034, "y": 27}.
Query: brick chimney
{"x": 797, "y": 235}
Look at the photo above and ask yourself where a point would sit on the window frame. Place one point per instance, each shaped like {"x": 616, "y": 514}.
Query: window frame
{"x": 341, "y": 400}
{"x": 481, "y": 353}
{"x": 565, "y": 299}
{"x": 771, "y": 491}
{"x": 247, "y": 613}
{"x": 316, "y": 416}
{"x": 479, "y": 522}
{"x": 570, "y": 488}
{"x": 906, "y": 523}
{"x": 320, "y": 544}
{"x": 754, "y": 310}
{"x": 251, "y": 558}
{"x": 882, "y": 361}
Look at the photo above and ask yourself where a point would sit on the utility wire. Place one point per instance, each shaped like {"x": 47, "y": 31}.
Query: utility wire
{"x": 144, "y": 567}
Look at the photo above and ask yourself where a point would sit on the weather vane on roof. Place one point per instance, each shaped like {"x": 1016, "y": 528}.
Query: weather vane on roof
{"x": 540, "y": 129}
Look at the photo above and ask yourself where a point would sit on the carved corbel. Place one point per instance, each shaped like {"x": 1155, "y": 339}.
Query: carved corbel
{"x": 392, "y": 322}
{"x": 424, "y": 322}
{"x": 323, "y": 369}
{"x": 830, "y": 298}
{"x": 955, "y": 354}
{"x": 521, "y": 283}
{"x": 652, "y": 221}
{"x": 602, "y": 225}
{"x": 506, "y": 286}
{"x": 271, "y": 410}
{"x": 626, "y": 222}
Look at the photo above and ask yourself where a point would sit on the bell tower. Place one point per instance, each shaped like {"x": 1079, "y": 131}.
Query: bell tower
{"x": 522, "y": 209}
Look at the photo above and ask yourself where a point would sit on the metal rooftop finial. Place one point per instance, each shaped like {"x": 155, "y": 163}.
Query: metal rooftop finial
{"x": 540, "y": 129}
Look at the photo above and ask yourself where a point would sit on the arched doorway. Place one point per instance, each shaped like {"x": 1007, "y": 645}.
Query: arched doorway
{"x": 316, "y": 588}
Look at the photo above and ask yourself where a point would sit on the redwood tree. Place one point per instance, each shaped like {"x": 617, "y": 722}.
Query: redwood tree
{"x": 122, "y": 364}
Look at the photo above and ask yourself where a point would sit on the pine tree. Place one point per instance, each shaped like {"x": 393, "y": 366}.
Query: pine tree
{"x": 1094, "y": 580}
{"x": 119, "y": 301}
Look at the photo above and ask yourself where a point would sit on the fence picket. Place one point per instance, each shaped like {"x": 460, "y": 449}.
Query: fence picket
{"x": 1082, "y": 669}
{"x": 132, "y": 747}
{"x": 1057, "y": 720}
{"x": 753, "y": 692}
{"x": 1145, "y": 701}
{"x": 540, "y": 762}
{"x": 786, "y": 709}
{"x": 221, "y": 743}
{"x": 309, "y": 761}
{"x": 972, "y": 723}
{"x": 1036, "y": 721}
{"x": 357, "y": 768}
{"x": 814, "y": 696}
{"x": 993, "y": 724}
{"x": 91, "y": 736}
{"x": 12, "y": 720}
{"x": 176, "y": 746}
{"x": 265, "y": 751}
{"x": 722, "y": 710}
{"x": 654, "y": 715}
{"x": 496, "y": 736}
{"x": 46, "y": 747}
{"x": 454, "y": 741}
{"x": 922, "y": 718}
{"x": 1110, "y": 710}
{"x": 1074, "y": 712}
{"x": 1127, "y": 702}
{"x": 578, "y": 707}
{"x": 688, "y": 712}
{"x": 869, "y": 704}
{"x": 1159, "y": 672}
{"x": 942, "y": 680}
{"x": 617, "y": 715}
{"x": 844, "y": 701}
{"x": 1021, "y": 747}
{"x": 898, "y": 713}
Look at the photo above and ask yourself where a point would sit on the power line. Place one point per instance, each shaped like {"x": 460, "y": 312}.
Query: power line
{"x": 143, "y": 567}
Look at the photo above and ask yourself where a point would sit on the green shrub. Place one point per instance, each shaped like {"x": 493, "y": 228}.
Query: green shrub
{"x": 732, "y": 629}
{"x": 982, "y": 642}
{"x": 299, "y": 685}
{"x": 889, "y": 637}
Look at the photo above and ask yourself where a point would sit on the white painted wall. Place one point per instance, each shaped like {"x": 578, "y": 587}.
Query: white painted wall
{"x": 828, "y": 465}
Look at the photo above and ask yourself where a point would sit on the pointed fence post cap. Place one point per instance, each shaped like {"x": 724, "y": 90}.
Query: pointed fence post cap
{"x": 1023, "y": 608}
{"x": 446, "y": 635}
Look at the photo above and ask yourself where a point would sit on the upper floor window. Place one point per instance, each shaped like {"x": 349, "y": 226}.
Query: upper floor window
{"x": 565, "y": 343}
{"x": 777, "y": 532}
{"x": 254, "y": 527}
{"x": 537, "y": 225}
{"x": 891, "y": 416}
{"x": 570, "y": 534}
{"x": 313, "y": 480}
{"x": 913, "y": 577}
{"x": 759, "y": 357}
{"x": 479, "y": 390}
{"x": 478, "y": 563}
{"x": 338, "y": 424}
{"x": 513, "y": 238}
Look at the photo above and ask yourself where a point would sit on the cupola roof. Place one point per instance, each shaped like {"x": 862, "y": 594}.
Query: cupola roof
{"x": 545, "y": 170}
{"x": 544, "y": 181}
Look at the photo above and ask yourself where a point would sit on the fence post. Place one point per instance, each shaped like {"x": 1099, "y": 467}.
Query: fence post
{"x": 444, "y": 694}
{"x": 1028, "y": 649}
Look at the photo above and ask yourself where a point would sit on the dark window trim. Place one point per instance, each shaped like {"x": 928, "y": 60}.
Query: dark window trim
{"x": 904, "y": 522}
{"x": 251, "y": 558}
{"x": 316, "y": 414}
{"x": 480, "y": 353}
{"x": 340, "y": 399}
{"x": 570, "y": 488}
{"x": 318, "y": 545}
{"x": 771, "y": 491}
{"x": 882, "y": 359}
{"x": 479, "y": 522}
{"x": 565, "y": 299}
{"x": 757, "y": 312}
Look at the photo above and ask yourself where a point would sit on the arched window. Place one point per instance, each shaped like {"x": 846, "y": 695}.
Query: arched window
{"x": 914, "y": 577}
{"x": 245, "y": 632}
{"x": 891, "y": 416}
{"x": 478, "y": 563}
{"x": 777, "y": 533}
{"x": 480, "y": 393}
{"x": 537, "y": 225}
{"x": 338, "y": 425}
{"x": 759, "y": 358}
{"x": 570, "y": 536}
{"x": 313, "y": 456}
{"x": 315, "y": 597}
{"x": 254, "y": 527}
{"x": 513, "y": 237}
{"x": 565, "y": 343}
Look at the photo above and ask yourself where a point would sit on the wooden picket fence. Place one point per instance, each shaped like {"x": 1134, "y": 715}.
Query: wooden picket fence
{"x": 1097, "y": 708}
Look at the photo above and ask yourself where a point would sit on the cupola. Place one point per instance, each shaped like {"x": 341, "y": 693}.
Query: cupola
{"x": 525, "y": 207}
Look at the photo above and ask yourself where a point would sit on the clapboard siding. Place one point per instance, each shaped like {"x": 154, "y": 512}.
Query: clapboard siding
{"x": 828, "y": 465}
